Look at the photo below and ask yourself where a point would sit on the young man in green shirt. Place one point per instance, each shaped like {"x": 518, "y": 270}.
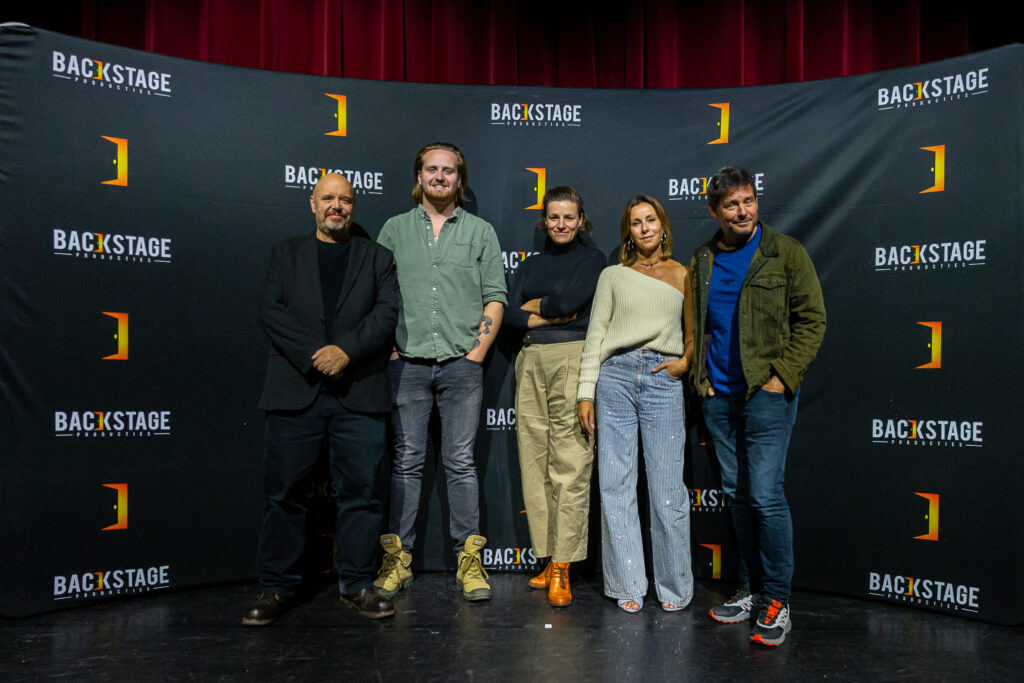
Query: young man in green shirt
{"x": 452, "y": 280}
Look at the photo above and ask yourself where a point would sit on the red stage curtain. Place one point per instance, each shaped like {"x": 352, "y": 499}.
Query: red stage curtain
{"x": 599, "y": 44}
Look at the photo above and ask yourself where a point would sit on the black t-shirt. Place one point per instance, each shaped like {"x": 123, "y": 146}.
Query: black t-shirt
{"x": 333, "y": 258}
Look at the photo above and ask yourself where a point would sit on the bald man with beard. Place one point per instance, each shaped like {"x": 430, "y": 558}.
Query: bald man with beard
{"x": 330, "y": 305}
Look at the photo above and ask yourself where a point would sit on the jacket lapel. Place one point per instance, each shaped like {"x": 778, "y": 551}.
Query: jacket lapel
{"x": 355, "y": 263}
{"x": 765, "y": 250}
{"x": 307, "y": 267}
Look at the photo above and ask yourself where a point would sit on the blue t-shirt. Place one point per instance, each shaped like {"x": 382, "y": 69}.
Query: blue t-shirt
{"x": 725, "y": 369}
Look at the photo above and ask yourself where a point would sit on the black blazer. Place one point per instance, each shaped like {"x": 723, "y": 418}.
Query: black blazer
{"x": 292, "y": 316}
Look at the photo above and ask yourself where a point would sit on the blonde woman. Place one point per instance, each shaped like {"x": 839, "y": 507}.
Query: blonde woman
{"x": 638, "y": 349}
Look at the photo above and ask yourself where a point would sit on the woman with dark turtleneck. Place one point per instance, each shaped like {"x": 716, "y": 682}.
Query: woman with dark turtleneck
{"x": 550, "y": 301}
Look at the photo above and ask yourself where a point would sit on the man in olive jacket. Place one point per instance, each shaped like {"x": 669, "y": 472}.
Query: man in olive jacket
{"x": 759, "y": 318}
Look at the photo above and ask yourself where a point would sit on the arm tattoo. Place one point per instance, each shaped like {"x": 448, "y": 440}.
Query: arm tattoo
{"x": 485, "y": 325}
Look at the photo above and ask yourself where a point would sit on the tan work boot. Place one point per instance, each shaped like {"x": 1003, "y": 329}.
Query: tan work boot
{"x": 472, "y": 576}
{"x": 559, "y": 592}
{"x": 544, "y": 578}
{"x": 395, "y": 573}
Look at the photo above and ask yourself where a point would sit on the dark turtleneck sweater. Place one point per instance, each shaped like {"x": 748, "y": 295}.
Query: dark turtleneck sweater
{"x": 564, "y": 279}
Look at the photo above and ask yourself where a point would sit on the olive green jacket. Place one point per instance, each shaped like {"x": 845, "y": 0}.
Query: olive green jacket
{"x": 781, "y": 313}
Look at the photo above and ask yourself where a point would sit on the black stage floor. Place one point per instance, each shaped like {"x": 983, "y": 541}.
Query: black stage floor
{"x": 438, "y": 636}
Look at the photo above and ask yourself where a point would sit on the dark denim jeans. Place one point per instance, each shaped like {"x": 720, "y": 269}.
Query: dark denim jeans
{"x": 356, "y": 446}
{"x": 751, "y": 439}
{"x": 457, "y": 385}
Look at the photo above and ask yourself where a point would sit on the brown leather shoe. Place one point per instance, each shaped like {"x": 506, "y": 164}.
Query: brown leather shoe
{"x": 559, "y": 594}
{"x": 369, "y": 603}
{"x": 266, "y": 610}
{"x": 543, "y": 579}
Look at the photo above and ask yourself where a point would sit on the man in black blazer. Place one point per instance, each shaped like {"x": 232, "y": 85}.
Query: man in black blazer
{"x": 330, "y": 305}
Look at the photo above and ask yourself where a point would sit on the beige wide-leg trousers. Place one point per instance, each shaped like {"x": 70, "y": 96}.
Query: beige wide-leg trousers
{"x": 554, "y": 457}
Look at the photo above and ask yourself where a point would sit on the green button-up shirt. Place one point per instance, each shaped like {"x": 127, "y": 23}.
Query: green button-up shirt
{"x": 445, "y": 284}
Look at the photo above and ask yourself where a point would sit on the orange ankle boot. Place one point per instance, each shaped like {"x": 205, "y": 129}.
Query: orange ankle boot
{"x": 543, "y": 579}
{"x": 559, "y": 594}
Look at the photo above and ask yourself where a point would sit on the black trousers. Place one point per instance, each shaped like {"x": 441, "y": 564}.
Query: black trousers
{"x": 356, "y": 447}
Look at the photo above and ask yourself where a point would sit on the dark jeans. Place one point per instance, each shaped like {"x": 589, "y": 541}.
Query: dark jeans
{"x": 751, "y": 439}
{"x": 457, "y": 385}
{"x": 356, "y": 446}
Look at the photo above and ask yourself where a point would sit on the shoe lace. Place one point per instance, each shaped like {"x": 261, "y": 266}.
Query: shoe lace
{"x": 389, "y": 565}
{"x": 560, "y": 574}
{"x": 475, "y": 567}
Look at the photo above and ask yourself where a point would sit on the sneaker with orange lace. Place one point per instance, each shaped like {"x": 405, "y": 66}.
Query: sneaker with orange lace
{"x": 773, "y": 623}
{"x": 737, "y": 608}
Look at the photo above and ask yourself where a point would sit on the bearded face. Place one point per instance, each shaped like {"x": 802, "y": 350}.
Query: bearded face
{"x": 332, "y": 203}
{"x": 439, "y": 177}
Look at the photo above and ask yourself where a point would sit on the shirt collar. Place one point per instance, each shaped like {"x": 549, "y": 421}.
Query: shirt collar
{"x": 422, "y": 213}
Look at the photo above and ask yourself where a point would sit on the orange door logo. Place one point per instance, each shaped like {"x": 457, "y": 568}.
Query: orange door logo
{"x": 121, "y": 506}
{"x": 935, "y": 345}
{"x": 121, "y": 336}
{"x": 723, "y": 124}
{"x": 932, "y": 516}
{"x": 121, "y": 161}
{"x": 541, "y": 188}
{"x": 938, "y": 168}
{"x": 716, "y": 559}
{"x": 341, "y": 115}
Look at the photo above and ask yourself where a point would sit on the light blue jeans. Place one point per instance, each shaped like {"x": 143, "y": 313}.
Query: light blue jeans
{"x": 629, "y": 396}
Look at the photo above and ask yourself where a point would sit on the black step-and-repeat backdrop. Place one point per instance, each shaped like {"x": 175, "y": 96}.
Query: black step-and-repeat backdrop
{"x": 140, "y": 195}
